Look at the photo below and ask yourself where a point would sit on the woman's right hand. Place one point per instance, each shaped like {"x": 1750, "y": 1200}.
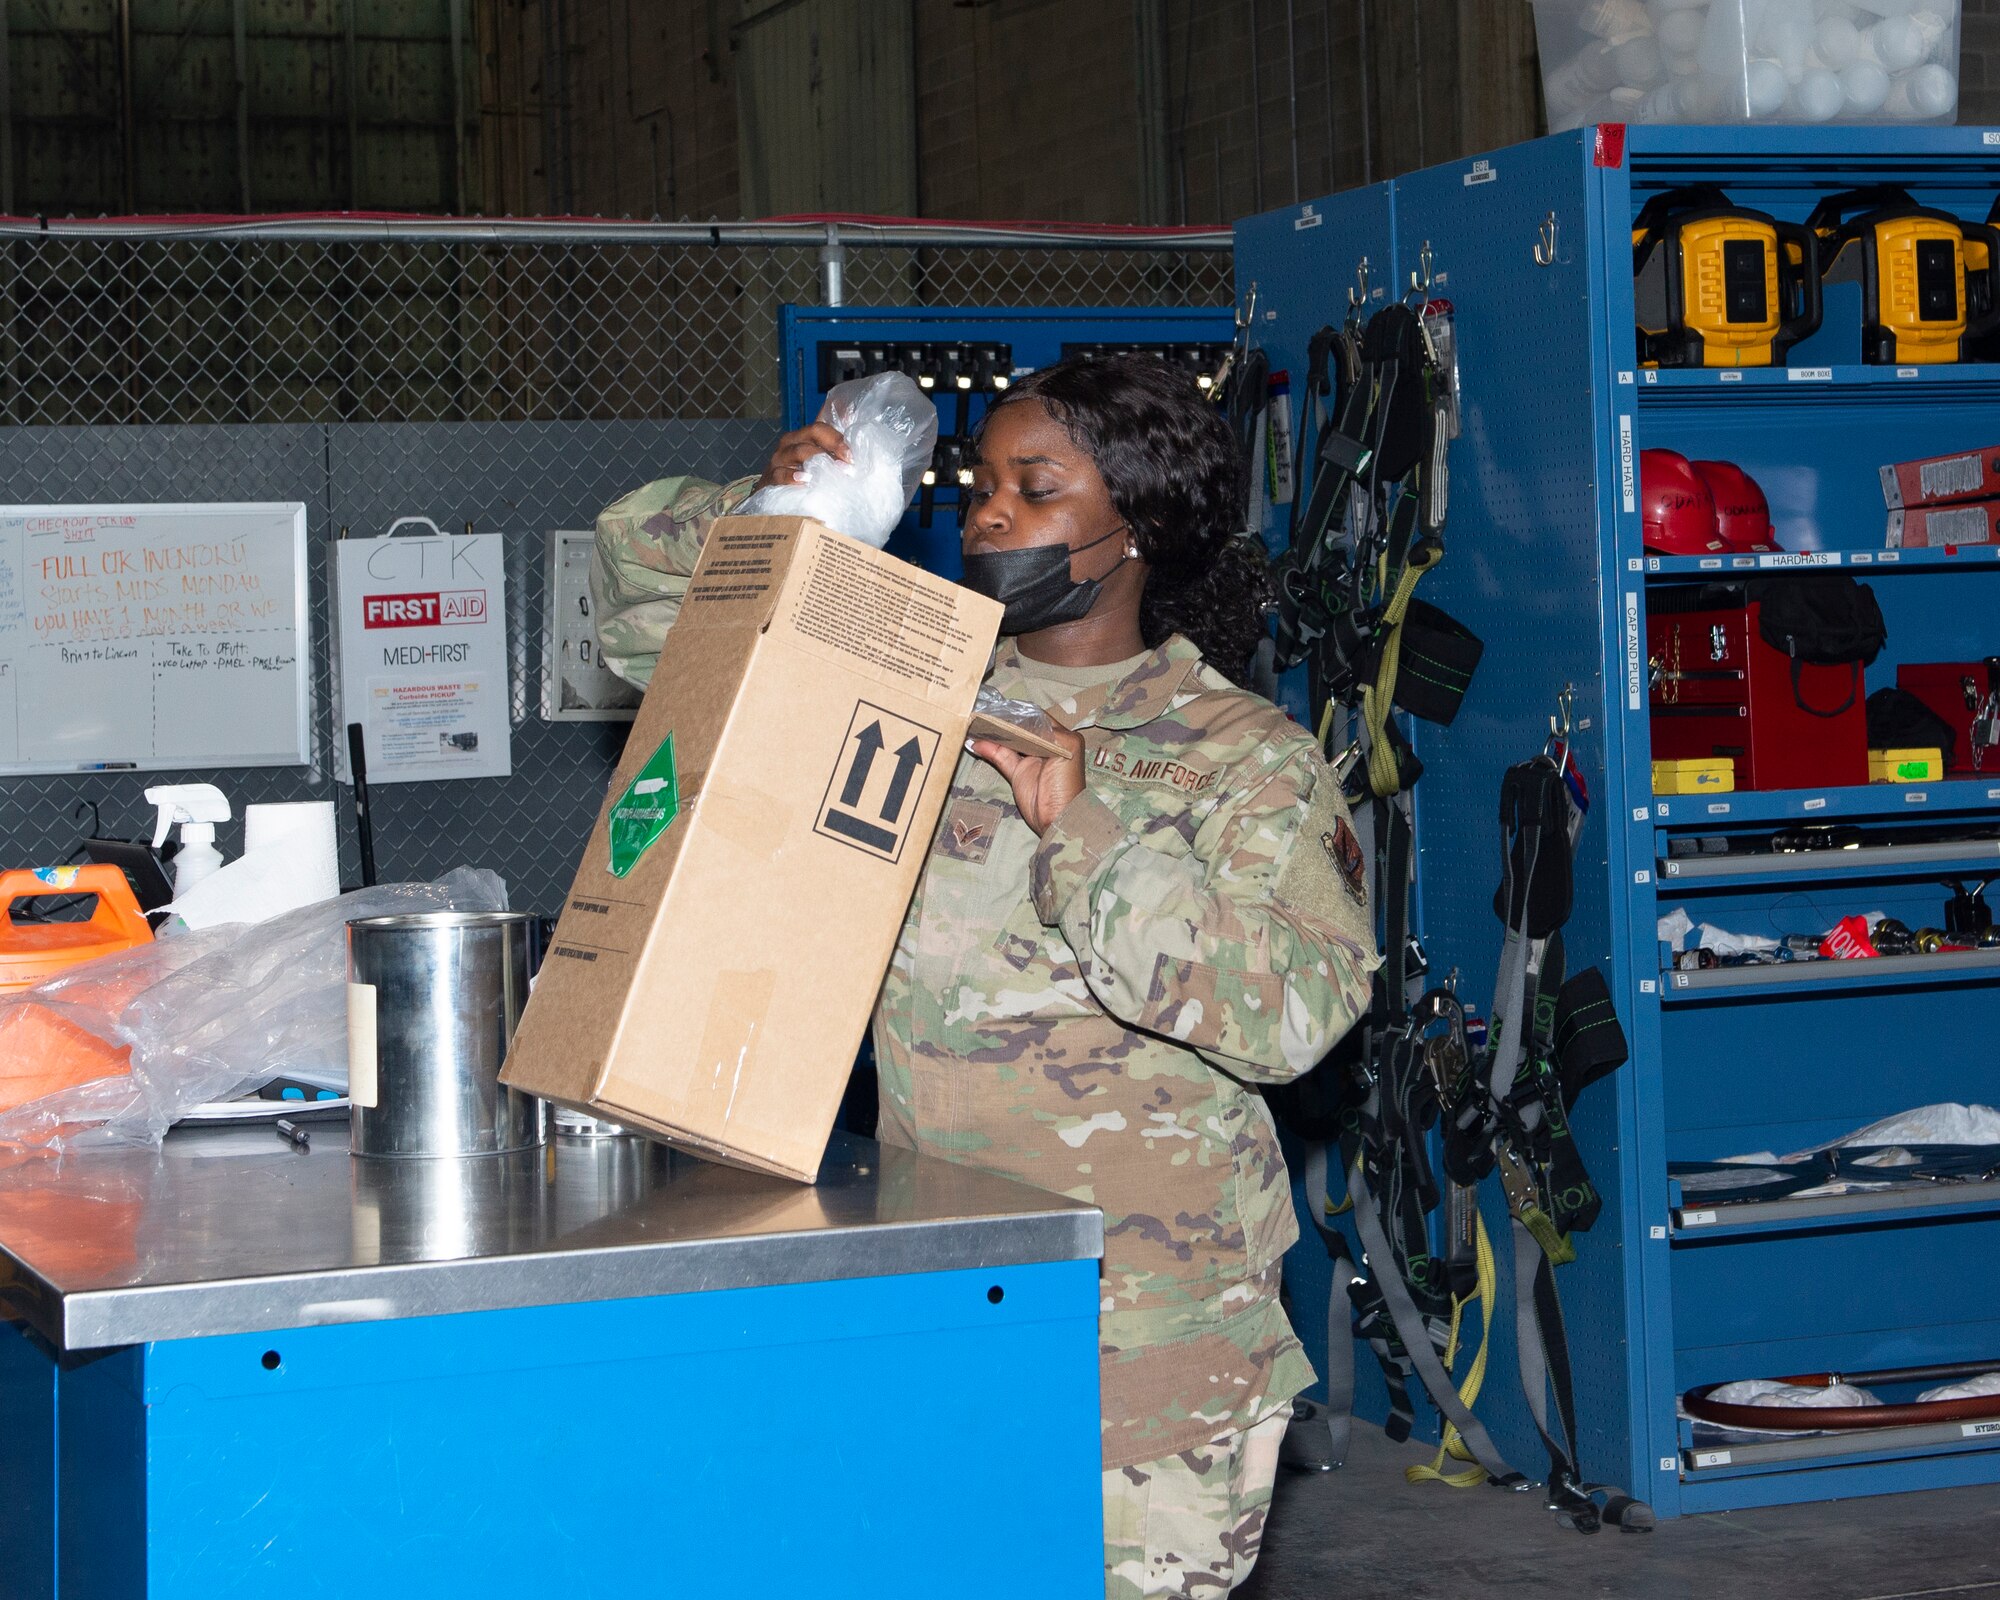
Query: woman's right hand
{"x": 796, "y": 449}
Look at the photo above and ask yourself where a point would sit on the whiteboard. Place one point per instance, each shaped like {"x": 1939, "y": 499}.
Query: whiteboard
{"x": 145, "y": 637}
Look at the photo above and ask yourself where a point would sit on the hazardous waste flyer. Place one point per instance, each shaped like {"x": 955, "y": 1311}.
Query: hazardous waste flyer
{"x": 437, "y": 727}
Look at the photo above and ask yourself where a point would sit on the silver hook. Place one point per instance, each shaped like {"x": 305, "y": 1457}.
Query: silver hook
{"x": 1244, "y": 317}
{"x": 1560, "y": 724}
{"x": 1545, "y": 246}
{"x": 1358, "y": 295}
{"x": 1420, "y": 280}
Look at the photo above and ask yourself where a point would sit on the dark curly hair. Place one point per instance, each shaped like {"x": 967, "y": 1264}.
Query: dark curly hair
{"x": 1170, "y": 463}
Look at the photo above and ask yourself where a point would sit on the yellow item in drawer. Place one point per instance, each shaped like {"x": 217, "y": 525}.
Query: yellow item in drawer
{"x": 1905, "y": 766}
{"x": 1695, "y": 775}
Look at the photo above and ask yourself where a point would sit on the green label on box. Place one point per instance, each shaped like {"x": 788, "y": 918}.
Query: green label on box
{"x": 645, "y": 810}
{"x": 1915, "y": 771}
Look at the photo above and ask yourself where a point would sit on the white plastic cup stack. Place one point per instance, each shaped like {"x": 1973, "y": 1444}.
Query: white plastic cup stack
{"x": 1866, "y": 87}
{"x": 1930, "y": 91}
{"x": 1580, "y": 84}
{"x": 1817, "y": 96}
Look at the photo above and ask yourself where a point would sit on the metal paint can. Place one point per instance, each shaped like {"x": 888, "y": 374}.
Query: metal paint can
{"x": 433, "y": 1001}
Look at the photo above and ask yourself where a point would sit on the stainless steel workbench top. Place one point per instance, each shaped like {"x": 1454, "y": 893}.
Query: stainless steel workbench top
{"x": 230, "y": 1231}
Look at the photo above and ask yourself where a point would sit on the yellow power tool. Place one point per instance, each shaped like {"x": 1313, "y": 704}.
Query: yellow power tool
{"x": 1719, "y": 285}
{"x": 1926, "y": 277}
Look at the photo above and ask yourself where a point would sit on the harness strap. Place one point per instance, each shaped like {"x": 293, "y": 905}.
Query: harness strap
{"x": 1452, "y": 1447}
{"x": 1541, "y": 1344}
{"x": 1339, "y": 1372}
{"x": 1416, "y": 1338}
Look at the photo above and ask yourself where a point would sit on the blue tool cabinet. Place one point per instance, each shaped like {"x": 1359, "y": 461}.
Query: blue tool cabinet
{"x": 1533, "y": 247}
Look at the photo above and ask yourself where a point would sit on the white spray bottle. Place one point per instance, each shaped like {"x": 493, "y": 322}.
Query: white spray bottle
{"x": 197, "y": 808}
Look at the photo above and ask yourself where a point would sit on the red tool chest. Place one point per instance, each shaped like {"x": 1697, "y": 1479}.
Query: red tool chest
{"x": 1718, "y": 689}
{"x": 1955, "y": 690}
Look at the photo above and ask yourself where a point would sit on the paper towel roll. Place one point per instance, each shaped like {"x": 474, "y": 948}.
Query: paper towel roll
{"x": 307, "y": 827}
{"x": 289, "y": 860}
{"x": 273, "y": 824}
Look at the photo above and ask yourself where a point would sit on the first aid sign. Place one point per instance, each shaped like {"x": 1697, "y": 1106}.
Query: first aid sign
{"x": 457, "y": 608}
{"x": 423, "y": 655}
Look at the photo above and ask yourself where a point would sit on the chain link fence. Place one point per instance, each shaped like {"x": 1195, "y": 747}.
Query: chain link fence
{"x": 512, "y": 377}
{"x": 426, "y": 321}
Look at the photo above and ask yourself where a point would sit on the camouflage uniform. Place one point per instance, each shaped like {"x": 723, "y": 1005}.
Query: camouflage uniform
{"x": 647, "y": 545}
{"x": 1191, "y": 1524}
{"x": 1083, "y": 1012}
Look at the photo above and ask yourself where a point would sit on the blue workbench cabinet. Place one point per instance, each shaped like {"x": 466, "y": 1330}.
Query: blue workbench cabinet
{"x": 1532, "y": 245}
{"x": 607, "y": 1370}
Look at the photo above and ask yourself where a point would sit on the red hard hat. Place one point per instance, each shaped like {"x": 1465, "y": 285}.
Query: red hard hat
{"x": 1742, "y": 514}
{"x": 1676, "y": 507}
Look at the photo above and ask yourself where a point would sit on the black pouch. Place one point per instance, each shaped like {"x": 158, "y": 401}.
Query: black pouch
{"x": 1824, "y": 618}
{"x": 1539, "y": 882}
{"x": 1898, "y": 720}
{"x": 1393, "y": 343}
{"x": 1435, "y": 666}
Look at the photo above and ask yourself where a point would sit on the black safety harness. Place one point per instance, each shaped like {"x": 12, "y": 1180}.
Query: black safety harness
{"x": 1375, "y": 427}
{"x": 1550, "y": 1036}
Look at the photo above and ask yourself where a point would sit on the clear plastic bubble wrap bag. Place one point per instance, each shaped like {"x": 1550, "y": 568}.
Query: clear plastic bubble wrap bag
{"x": 1023, "y": 715}
{"x": 891, "y": 429}
{"x": 197, "y": 1017}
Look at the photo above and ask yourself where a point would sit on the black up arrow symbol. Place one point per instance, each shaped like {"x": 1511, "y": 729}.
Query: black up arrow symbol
{"x": 907, "y": 759}
{"x": 867, "y": 742}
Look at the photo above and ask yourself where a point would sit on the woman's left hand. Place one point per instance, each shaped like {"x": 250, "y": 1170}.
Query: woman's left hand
{"x": 1042, "y": 785}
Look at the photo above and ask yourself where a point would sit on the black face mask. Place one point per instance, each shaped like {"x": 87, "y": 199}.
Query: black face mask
{"x": 1034, "y": 584}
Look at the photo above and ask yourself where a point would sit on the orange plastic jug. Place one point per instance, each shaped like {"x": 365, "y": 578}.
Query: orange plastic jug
{"x": 31, "y": 952}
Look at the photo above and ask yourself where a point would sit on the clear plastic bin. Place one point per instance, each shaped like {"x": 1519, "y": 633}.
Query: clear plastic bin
{"x": 1878, "y": 61}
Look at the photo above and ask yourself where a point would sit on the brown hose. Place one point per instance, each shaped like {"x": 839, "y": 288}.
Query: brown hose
{"x": 1815, "y": 1419}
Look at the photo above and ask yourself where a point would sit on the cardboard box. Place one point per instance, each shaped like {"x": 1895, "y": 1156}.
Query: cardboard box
{"x": 1943, "y": 480}
{"x": 1935, "y": 527}
{"x": 716, "y": 962}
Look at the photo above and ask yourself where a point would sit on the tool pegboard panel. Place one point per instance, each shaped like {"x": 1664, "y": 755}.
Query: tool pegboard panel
{"x": 963, "y": 359}
{"x": 1521, "y": 565}
{"x": 521, "y": 480}
{"x": 1533, "y": 247}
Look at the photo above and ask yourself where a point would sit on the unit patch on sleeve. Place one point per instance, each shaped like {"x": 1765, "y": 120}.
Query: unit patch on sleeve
{"x": 1344, "y": 849}
{"x": 1326, "y": 875}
